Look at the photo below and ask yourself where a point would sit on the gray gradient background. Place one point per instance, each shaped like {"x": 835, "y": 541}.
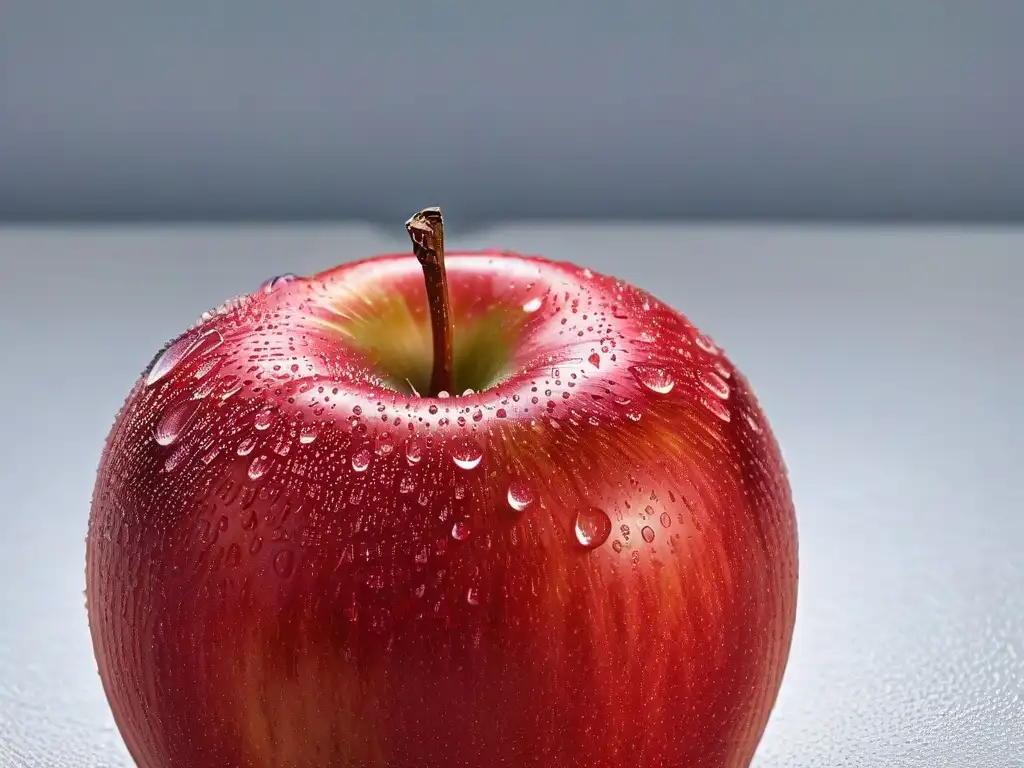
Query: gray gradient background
{"x": 664, "y": 108}
{"x": 887, "y": 359}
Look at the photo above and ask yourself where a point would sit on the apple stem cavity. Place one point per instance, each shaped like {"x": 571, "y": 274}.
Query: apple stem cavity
{"x": 426, "y": 230}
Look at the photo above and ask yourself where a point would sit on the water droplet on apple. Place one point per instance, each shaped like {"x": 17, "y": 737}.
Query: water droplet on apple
{"x": 717, "y": 408}
{"x": 181, "y": 350}
{"x": 520, "y": 495}
{"x": 473, "y": 596}
{"x": 264, "y": 419}
{"x": 753, "y": 423}
{"x": 443, "y": 394}
{"x": 469, "y": 391}
{"x": 361, "y": 460}
{"x": 245, "y": 447}
{"x": 276, "y": 282}
{"x": 460, "y": 531}
{"x": 714, "y": 384}
{"x": 666, "y": 519}
{"x": 705, "y": 343}
{"x": 533, "y": 304}
{"x": 284, "y": 563}
{"x": 501, "y": 413}
{"x": 203, "y": 369}
{"x": 414, "y": 450}
{"x": 259, "y": 466}
{"x": 655, "y": 379}
{"x": 228, "y": 386}
{"x": 466, "y": 454}
{"x": 407, "y": 484}
{"x": 593, "y": 527}
{"x": 648, "y": 533}
{"x": 174, "y": 421}
{"x": 308, "y": 433}
{"x": 595, "y": 360}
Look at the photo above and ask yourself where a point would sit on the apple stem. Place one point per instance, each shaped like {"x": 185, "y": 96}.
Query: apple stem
{"x": 426, "y": 230}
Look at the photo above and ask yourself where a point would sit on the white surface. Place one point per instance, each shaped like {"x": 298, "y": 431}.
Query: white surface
{"x": 889, "y": 362}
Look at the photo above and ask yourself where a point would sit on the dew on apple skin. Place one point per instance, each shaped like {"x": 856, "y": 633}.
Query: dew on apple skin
{"x": 717, "y": 407}
{"x": 595, "y": 360}
{"x": 180, "y": 351}
{"x": 259, "y": 466}
{"x": 414, "y": 450}
{"x": 268, "y": 286}
{"x": 245, "y": 447}
{"x": 592, "y": 527}
{"x": 714, "y": 384}
{"x": 466, "y": 454}
{"x": 308, "y": 433}
{"x": 473, "y": 596}
{"x": 174, "y": 420}
{"x": 647, "y": 533}
{"x": 520, "y": 495}
{"x": 361, "y": 460}
{"x": 533, "y": 304}
{"x": 284, "y": 563}
{"x": 461, "y": 531}
{"x": 704, "y": 342}
{"x": 655, "y": 379}
{"x": 666, "y": 520}
{"x": 264, "y": 419}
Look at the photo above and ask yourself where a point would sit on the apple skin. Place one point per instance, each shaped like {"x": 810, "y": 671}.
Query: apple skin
{"x": 591, "y": 562}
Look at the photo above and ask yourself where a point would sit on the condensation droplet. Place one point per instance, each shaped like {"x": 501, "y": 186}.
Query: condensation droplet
{"x": 532, "y": 305}
{"x": 714, "y": 384}
{"x": 666, "y": 519}
{"x": 414, "y": 450}
{"x": 264, "y": 419}
{"x": 473, "y": 596}
{"x": 259, "y": 466}
{"x": 284, "y": 563}
{"x": 705, "y": 343}
{"x": 245, "y": 447}
{"x": 648, "y": 533}
{"x": 361, "y": 460}
{"x": 181, "y": 350}
{"x": 617, "y": 546}
{"x": 174, "y": 421}
{"x": 274, "y": 283}
{"x": 718, "y": 408}
{"x": 520, "y": 495}
{"x": 460, "y": 531}
{"x": 753, "y": 422}
{"x": 595, "y": 360}
{"x": 407, "y": 484}
{"x": 657, "y": 380}
{"x": 466, "y": 454}
{"x": 308, "y": 433}
{"x": 593, "y": 527}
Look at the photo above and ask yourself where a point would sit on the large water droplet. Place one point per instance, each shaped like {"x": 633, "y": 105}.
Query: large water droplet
{"x": 274, "y": 283}
{"x": 414, "y": 450}
{"x": 648, "y": 533}
{"x": 264, "y": 419}
{"x": 466, "y": 453}
{"x": 181, "y": 350}
{"x": 460, "y": 531}
{"x": 174, "y": 421}
{"x": 284, "y": 563}
{"x": 259, "y": 466}
{"x": 666, "y": 519}
{"x": 593, "y": 527}
{"x": 361, "y": 460}
{"x": 714, "y": 384}
{"x": 245, "y": 447}
{"x": 473, "y": 596}
{"x": 533, "y": 304}
{"x": 520, "y": 495}
{"x": 594, "y": 360}
{"x": 308, "y": 433}
{"x": 705, "y": 343}
{"x": 655, "y": 379}
{"x": 716, "y": 407}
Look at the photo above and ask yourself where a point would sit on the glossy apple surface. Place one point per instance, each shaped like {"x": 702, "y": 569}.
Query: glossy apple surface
{"x": 295, "y": 560}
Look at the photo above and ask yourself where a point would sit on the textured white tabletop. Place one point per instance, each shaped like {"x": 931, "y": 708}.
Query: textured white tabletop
{"x": 889, "y": 361}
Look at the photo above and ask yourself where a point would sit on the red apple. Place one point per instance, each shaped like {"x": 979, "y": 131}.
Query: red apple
{"x": 301, "y": 553}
